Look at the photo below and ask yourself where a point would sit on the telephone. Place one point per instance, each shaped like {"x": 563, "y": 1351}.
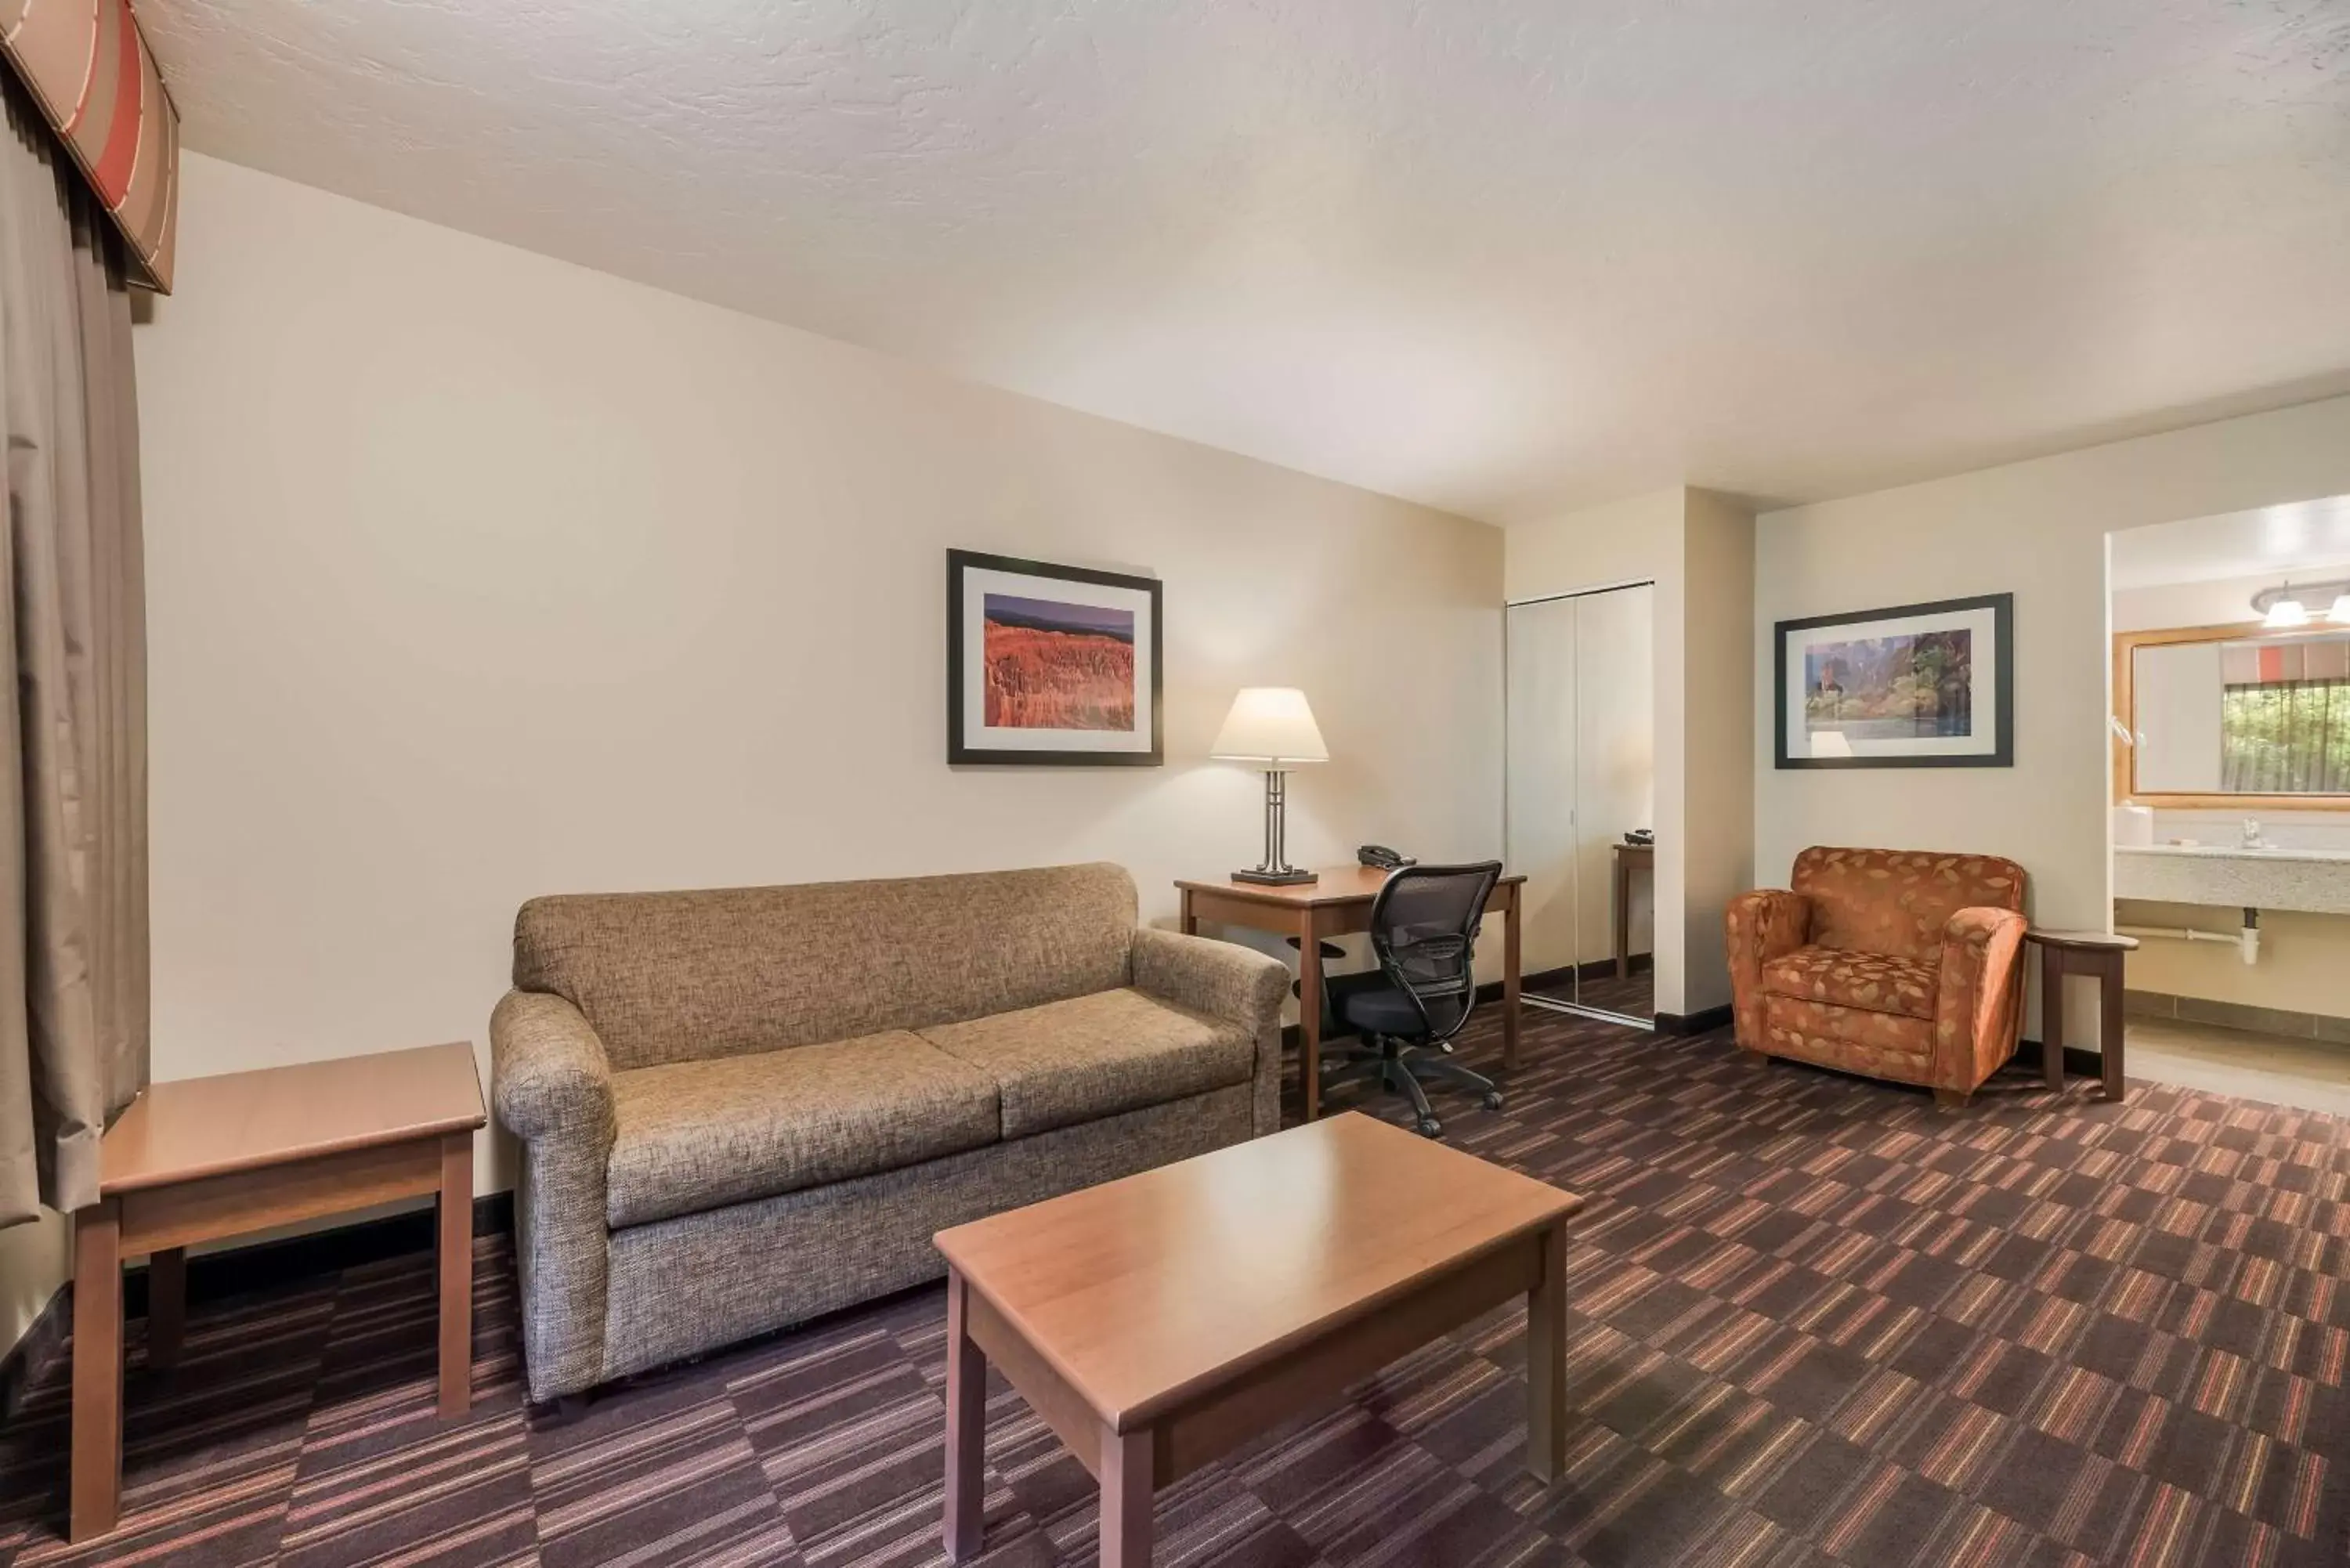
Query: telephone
{"x": 1641, "y": 837}
{"x": 1386, "y": 859}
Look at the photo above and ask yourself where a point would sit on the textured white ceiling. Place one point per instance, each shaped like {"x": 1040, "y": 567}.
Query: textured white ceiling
{"x": 1502, "y": 255}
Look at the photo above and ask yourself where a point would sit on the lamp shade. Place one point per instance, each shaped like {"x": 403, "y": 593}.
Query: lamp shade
{"x": 1272, "y": 725}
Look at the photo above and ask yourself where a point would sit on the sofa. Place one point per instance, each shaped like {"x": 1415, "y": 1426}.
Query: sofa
{"x": 1892, "y": 963}
{"x": 741, "y": 1109}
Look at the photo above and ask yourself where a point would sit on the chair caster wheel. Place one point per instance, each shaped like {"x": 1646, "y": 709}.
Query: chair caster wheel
{"x": 1493, "y": 1101}
{"x": 1430, "y": 1127}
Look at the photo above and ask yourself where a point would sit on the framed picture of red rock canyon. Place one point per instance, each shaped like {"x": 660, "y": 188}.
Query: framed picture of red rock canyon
{"x": 1050, "y": 664}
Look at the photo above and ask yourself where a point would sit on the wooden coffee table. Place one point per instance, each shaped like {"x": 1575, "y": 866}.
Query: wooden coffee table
{"x": 1157, "y": 1322}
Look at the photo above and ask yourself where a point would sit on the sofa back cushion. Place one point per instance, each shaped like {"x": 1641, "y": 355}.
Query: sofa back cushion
{"x": 677, "y": 977}
{"x": 1897, "y": 901}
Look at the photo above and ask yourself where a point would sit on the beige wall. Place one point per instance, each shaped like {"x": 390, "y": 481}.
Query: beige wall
{"x": 2037, "y": 529}
{"x": 1699, "y": 550}
{"x": 474, "y": 574}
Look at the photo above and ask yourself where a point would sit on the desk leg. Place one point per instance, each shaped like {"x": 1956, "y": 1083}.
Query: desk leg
{"x": 456, "y": 1273}
{"x": 97, "y": 1484}
{"x": 1126, "y": 1499}
{"x": 1309, "y": 1019}
{"x": 1546, "y": 1360}
{"x": 966, "y": 1427}
{"x": 1191, "y": 923}
{"x": 2051, "y": 1016}
{"x": 1510, "y": 976}
{"x": 167, "y": 1307}
{"x": 1623, "y": 919}
{"x": 2110, "y": 1023}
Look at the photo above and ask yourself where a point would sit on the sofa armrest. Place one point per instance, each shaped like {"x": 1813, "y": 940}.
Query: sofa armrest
{"x": 1763, "y": 925}
{"x": 1979, "y": 1008}
{"x": 1222, "y": 980}
{"x": 551, "y": 1087}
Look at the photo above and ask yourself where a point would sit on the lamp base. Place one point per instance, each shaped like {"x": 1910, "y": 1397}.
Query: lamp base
{"x": 1290, "y": 878}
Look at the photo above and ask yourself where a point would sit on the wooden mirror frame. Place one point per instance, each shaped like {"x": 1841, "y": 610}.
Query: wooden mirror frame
{"x": 2125, "y": 647}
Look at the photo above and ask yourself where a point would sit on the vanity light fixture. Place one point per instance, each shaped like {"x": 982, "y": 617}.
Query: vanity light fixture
{"x": 2285, "y": 608}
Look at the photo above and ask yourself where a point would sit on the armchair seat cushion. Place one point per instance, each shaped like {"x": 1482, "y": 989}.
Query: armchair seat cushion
{"x": 693, "y": 1136}
{"x": 1098, "y": 1055}
{"x": 1863, "y": 981}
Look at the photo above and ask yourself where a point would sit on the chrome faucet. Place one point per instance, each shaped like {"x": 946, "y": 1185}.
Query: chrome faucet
{"x": 2252, "y": 839}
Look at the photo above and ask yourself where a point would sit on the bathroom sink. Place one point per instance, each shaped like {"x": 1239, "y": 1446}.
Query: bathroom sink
{"x": 2316, "y": 881}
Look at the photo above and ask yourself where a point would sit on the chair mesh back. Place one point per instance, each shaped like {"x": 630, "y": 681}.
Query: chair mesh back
{"x": 1424, "y": 930}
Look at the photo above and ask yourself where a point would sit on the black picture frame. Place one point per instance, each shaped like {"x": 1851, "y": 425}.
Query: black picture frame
{"x": 961, "y": 753}
{"x": 2003, "y": 684}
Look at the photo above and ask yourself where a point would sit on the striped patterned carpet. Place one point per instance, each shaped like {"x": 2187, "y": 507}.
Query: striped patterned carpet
{"x": 1816, "y": 1320}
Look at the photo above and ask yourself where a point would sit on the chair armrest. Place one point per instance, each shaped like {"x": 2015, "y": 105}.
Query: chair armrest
{"x": 1979, "y": 1010}
{"x": 551, "y": 1085}
{"x": 1759, "y": 926}
{"x": 1222, "y": 980}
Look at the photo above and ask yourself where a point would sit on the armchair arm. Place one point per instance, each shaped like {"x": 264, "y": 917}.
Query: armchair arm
{"x": 1763, "y": 925}
{"x": 1222, "y": 980}
{"x": 551, "y": 1087}
{"x": 1979, "y": 1008}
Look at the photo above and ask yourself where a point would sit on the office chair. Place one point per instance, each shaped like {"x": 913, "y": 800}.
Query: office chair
{"x": 1424, "y": 935}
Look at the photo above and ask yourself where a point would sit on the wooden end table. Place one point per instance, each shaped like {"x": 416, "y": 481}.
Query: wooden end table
{"x": 202, "y": 1159}
{"x": 1157, "y": 1322}
{"x": 2099, "y": 955}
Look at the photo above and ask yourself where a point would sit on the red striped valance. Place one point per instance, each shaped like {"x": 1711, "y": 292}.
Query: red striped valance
{"x": 95, "y": 78}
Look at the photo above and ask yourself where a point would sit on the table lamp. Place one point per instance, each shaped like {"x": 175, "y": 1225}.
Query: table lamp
{"x": 1271, "y": 727}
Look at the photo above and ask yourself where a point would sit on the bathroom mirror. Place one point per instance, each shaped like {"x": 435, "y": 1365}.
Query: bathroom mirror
{"x": 2226, "y": 716}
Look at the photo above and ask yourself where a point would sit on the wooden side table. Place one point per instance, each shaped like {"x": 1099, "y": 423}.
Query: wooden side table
{"x": 2099, "y": 955}
{"x": 1629, "y": 858}
{"x": 202, "y": 1159}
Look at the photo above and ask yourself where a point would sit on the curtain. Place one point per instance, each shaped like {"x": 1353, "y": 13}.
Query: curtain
{"x": 73, "y": 683}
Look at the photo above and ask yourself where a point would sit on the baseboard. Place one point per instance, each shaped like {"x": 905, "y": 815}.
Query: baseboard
{"x": 235, "y": 1271}
{"x": 1697, "y": 1023}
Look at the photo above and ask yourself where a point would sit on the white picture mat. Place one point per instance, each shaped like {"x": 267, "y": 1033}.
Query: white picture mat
{"x": 1981, "y": 623}
{"x": 978, "y": 582}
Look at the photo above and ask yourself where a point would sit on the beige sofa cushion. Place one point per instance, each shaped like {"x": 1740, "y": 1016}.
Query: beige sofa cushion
{"x": 1098, "y": 1055}
{"x": 691, "y": 1136}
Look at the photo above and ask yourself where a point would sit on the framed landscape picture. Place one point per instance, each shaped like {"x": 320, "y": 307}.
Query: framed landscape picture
{"x": 1051, "y": 664}
{"x": 1917, "y": 686}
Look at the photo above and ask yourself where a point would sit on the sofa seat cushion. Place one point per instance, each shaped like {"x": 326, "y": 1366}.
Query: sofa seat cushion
{"x": 1096, "y": 1056}
{"x": 693, "y": 1136}
{"x": 1873, "y": 982}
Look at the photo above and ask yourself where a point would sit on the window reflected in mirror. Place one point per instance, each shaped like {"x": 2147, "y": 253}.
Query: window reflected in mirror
{"x": 2243, "y": 716}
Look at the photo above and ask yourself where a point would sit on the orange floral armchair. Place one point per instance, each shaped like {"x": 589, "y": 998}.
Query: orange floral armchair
{"x": 1896, "y": 964}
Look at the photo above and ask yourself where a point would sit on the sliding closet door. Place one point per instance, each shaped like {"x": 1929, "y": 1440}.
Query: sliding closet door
{"x": 1540, "y": 816}
{"x": 1616, "y": 791}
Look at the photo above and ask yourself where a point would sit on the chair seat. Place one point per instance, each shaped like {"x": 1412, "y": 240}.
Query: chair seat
{"x": 1840, "y": 977}
{"x": 1381, "y": 1009}
{"x": 693, "y": 1136}
{"x": 1095, "y": 1057}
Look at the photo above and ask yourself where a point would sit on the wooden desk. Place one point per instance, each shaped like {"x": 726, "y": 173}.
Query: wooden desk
{"x": 1155, "y": 1324}
{"x": 2097, "y": 954}
{"x": 1338, "y": 905}
{"x": 207, "y": 1158}
{"x": 1629, "y": 857}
